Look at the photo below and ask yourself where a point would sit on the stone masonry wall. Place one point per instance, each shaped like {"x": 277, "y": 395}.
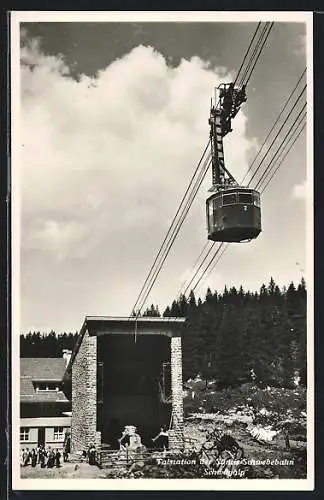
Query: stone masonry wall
{"x": 176, "y": 434}
{"x": 84, "y": 396}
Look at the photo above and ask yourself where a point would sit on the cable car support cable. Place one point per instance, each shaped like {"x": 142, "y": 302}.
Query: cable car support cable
{"x": 263, "y": 176}
{"x": 282, "y": 126}
{"x": 248, "y": 72}
{"x": 169, "y": 230}
{"x": 275, "y": 124}
{"x": 177, "y": 225}
{"x": 293, "y": 129}
{"x": 208, "y": 268}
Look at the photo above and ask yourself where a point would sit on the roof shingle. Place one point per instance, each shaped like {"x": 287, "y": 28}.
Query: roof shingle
{"x": 46, "y": 369}
{"x": 38, "y": 370}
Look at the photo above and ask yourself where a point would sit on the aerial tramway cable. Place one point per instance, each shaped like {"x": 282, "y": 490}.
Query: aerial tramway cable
{"x": 209, "y": 269}
{"x": 176, "y": 229}
{"x": 170, "y": 229}
{"x": 186, "y": 286}
{"x": 248, "y": 73}
{"x": 175, "y": 226}
{"x": 246, "y": 53}
{"x": 284, "y": 157}
{"x": 275, "y": 124}
{"x": 292, "y": 130}
{"x": 279, "y": 131}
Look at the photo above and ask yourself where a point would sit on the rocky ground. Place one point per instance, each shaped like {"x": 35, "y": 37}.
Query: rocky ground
{"x": 267, "y": 424}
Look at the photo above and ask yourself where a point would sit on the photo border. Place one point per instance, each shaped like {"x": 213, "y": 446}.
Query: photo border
{"x": 15, "y": 271}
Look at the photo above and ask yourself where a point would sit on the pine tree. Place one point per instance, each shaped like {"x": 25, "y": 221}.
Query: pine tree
{"x": 183, "y": 306}
{"x": 167, "y": 312}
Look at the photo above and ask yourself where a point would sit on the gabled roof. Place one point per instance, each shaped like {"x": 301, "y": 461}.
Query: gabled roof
{"x": 43, "y": 369}
{"x": 38, "y": 370}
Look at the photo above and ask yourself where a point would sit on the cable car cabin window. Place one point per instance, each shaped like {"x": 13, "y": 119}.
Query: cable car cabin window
{"x": 256, "y": 200}
{"x": 209, "y": 210}
{"x": 229, "y": 199}
{"x": 245, "y": 198}
{"x": 217, "y": 202}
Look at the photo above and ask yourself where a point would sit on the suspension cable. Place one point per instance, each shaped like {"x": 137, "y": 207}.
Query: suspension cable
{"x": 176, "y": 230}
{"x": 184, "y": 285}
{"x": 170, "y": 228}
{"x": 265, "y": 173}
{"x": 253, "y": 55}
{"x": 203, "y": 278}
{"x": 248, "y": 71}
{"x": 274, "y": 125}
{"x": 221, "y": 246}
{"x": 260, "y": 51}
{"x": 282, "y": 126}
{"x": 246, "y": 53}
{"x": 290, "y": 132}
{"x": 153, "y": 275}
{"x": 280, "y": 146}
{"x": 284, "y": 157}
{"x": 283, "y": 146}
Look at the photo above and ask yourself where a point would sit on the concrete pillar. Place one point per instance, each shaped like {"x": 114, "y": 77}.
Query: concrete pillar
{"x": 176, "y": 434}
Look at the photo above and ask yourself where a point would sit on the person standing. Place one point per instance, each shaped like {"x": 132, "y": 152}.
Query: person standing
{"x": 66, "y": 446}
{"x": 162, "y": 439}
{"x": 42, "y": 457}
{"x": 57, "y": 458}
{"x": 50, "y": 458}
{"x": 92, "y": 455}
{"x": 26, "y": 457}
{"x": 33, "y": 457}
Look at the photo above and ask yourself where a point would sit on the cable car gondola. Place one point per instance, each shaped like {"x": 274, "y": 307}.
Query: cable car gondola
{"x": 233, "y": 212}
{"x": 233, "y": 215}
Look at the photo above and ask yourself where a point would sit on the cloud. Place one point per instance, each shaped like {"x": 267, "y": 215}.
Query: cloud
{"x": 299, "y": 48}
{"x": 104, "y": 156}
{"x": 61, "y": 238}
{"x": 299, "y": 191}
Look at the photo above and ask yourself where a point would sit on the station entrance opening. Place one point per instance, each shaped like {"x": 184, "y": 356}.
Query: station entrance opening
{"x": 134, "y": 386}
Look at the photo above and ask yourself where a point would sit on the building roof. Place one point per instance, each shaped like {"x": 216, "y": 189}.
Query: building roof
{"x": 142, "y": 325}
{"x": 64, "y": 421}
{"x": 140, "y": 319}
{"x": 41, "y": 370}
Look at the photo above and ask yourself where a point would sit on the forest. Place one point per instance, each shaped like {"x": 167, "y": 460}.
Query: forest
{"x": 231, "y": 336}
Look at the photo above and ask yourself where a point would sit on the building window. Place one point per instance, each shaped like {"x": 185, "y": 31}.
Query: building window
{"x": 24, "y": 433}
{"x": 58, "y": 434}
{"x": 44, "y": 387}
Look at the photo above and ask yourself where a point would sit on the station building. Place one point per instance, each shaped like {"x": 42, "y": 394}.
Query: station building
{"x": 125, "y": 371}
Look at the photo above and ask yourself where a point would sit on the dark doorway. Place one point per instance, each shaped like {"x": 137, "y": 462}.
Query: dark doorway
{"x": 133, "y": 386}
{"x": 41, "y": 436}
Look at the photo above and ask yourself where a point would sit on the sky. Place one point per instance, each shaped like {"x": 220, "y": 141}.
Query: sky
{"x": 113, "y": 121}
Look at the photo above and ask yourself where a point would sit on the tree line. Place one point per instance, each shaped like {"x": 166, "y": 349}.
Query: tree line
{"x": 230, "y": 336}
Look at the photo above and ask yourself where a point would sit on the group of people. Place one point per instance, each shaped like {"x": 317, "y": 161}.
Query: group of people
{"x": 44, "y": 457}
{"x": 90, "y": 455}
